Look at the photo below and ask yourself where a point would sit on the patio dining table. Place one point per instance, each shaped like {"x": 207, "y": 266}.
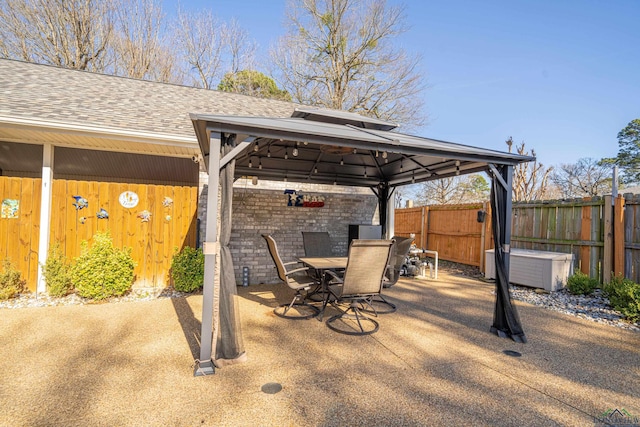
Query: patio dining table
{"x": 320, "y": 265}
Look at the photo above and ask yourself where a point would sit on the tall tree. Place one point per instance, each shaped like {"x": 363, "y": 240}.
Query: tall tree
{"x": 254, "y": 83}
{"x": 585, "y": 178}
{"x": 66, "y": 33}
{"x": 341, "y": 54}
{"x": 531, "y": 179}
{"x": 628, "y": 152}
{"x": 210, "y": 48}
{"x": 140, "y": 50}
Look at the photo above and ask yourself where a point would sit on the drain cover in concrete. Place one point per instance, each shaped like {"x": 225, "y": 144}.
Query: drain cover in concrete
{"x": 271, "y": 388}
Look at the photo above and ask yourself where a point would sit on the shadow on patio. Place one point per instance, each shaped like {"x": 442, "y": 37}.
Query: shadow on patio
{"x": 433, "y": 362}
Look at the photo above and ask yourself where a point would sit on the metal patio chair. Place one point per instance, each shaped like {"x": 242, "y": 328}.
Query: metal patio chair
{"x": 399, "y": 251}
{"x": 362, "y": 280}
{"x": 317, "y": 244}
{"x": 300, "y": 283}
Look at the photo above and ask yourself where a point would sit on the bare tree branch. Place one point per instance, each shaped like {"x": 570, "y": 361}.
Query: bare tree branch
{"x": 140, "y": 50}
{"x": 586, "y": 178}
{"x": 530, "y": 180}
{"x": 339, "y": 54}
{"x": 66, "y": 33}
{"x": 211, "y": 48}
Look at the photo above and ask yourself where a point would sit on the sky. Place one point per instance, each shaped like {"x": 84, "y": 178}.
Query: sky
{"x": 562, "y": 76}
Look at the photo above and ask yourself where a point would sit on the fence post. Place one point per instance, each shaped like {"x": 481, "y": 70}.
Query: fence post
{"x": 424, "y": 228}
{"x": 618, "y": 236}
{"x": 607, "y": 261}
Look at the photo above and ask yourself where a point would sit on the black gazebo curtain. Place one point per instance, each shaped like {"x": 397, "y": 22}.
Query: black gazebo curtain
{"x": 506, "y": 322}
{"x": 229, "y": 347}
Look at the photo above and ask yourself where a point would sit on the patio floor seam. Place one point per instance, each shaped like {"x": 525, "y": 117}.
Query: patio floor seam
{"x": 529, "y": 386}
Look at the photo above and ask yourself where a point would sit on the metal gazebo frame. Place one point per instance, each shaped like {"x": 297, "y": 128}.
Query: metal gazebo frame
{"x": 334, "y": 147}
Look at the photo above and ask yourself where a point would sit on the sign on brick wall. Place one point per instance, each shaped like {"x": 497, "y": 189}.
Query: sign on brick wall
{"x": 298, "y": 199}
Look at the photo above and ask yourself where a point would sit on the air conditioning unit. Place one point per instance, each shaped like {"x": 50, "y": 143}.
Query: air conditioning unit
{"x": 537, "y": 269}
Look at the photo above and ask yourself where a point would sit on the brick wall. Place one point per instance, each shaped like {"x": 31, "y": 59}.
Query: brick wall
{"x": 264, "y": 210}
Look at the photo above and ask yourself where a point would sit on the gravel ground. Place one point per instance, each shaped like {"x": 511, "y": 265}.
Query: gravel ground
{"x": 594, "y": 307}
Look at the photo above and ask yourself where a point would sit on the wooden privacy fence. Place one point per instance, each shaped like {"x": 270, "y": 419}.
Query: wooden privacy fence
{"x": 20, "y": 224}
{"x": 452, "y": 230}
{"x": 603, "y": 234}
{"x": 170, "y": 222}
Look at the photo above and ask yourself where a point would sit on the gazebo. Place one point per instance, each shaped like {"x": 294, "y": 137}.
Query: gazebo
{"x": 330, "y": 147}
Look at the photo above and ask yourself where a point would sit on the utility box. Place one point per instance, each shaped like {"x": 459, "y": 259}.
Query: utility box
{"x": 364, "y": 232}
{"x": 537, "y": 269}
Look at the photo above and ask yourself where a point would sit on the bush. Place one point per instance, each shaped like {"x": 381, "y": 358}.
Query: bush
{"x": 624, "y": 296}
{"x": 102, "y": 271}
{"x": 56, "y": 273}
{"x": 11, "y": 282}
{"x": 187, "y": 269}
{"x": 581, "y": 284}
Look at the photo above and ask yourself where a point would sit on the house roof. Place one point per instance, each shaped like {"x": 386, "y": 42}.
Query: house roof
{"x": 77, "y": 109}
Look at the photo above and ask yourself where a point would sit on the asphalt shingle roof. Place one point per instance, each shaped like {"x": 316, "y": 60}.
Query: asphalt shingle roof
{"x": 42, "y": 92}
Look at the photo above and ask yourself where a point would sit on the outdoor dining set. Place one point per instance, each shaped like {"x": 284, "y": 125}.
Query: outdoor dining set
{"x": 353, "y": 284}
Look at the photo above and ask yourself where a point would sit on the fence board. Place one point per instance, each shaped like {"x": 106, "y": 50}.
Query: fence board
{"x": 25, "y": 221}
{"x": 4, "y": 222}
{"x": 585, "y": 234}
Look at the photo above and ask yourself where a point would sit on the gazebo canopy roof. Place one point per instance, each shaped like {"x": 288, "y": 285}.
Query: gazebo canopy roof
{"x": 328, "y": 147}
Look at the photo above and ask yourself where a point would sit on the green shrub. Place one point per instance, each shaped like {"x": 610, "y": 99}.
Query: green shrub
{"x": 11, "y": 282}
{"x": 187, "y": 269}
{"x": 56, "y": 273}
{"x": 624, "y": 296}
{"x": 581, "y": 284}
{"x": 102, "y": 271}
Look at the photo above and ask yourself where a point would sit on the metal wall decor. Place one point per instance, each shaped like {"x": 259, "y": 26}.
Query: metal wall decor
{"x": 102, "y": 214}
{"x": 80, "y": 202}
{"x": 298, "y": 199}
{"x": 167, "y": 202}
{"x": 144, "y": 216}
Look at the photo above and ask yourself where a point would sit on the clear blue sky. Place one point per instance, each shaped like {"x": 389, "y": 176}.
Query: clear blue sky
{"x": 563, "y": 76}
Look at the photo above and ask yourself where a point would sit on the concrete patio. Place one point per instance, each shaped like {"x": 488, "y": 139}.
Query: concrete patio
{"x": 433, "y": 362}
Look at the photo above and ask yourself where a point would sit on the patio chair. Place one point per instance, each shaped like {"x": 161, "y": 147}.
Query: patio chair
{"x": 317, "y": 244}
{"x": 399, "y": 251}
{"x": 362, "y": 280}
{"x": 399, "y": 254}
{"x": 298, "y": 308}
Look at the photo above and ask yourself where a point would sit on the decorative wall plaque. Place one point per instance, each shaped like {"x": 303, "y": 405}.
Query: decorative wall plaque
{"x": 10, "y": 208}
{"x": 128, "y": 199}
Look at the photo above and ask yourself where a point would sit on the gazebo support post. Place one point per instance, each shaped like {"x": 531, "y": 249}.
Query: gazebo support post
{"x": 385, "y": 210}
{"x": 204, "y": 365}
